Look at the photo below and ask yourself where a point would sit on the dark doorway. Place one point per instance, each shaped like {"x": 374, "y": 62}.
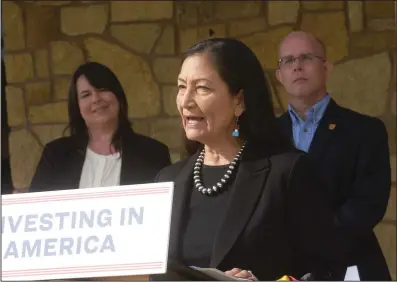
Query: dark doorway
{"x": 6, "y": 181}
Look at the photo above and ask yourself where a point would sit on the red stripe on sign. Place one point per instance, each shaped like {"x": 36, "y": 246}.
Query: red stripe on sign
{"x": 82, "y": 269}
{"x": 85, "y": 196}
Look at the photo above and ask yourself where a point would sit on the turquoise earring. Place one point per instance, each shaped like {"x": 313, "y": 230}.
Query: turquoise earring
{"x": 236, "y": 130}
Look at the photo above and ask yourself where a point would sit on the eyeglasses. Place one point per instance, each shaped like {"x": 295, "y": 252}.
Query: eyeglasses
{"x": 304, "y": 58}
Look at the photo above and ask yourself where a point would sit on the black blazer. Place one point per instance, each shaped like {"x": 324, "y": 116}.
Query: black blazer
{"x": 276, "y": 222}
{"x": 62, "y": 162}
{"x": 351, "y": 155}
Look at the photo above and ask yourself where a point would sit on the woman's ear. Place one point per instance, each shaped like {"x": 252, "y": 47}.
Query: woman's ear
{"x": 240, "y": 106}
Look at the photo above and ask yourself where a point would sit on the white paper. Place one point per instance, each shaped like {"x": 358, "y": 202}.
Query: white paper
{"x": 352, "y": 274}
{"x": 138, "y": 224}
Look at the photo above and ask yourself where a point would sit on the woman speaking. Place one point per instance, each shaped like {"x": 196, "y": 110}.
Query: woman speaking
{"x": 245, "y": 201}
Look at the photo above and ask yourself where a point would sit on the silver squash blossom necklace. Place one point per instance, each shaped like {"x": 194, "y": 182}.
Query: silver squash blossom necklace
{"x": 219, "y": 185}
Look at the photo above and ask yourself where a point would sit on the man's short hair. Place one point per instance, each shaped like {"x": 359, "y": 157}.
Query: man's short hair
{"x": 318, "y": 40}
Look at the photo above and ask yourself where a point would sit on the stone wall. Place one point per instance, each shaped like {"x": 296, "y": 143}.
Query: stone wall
{"x": 142, "y": 41}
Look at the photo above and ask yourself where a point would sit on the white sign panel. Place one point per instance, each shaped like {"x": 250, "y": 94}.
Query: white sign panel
{"x": 98, "y": 232}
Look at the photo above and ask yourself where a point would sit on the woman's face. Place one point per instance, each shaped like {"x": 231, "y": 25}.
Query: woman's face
{"x": 207, "y": 108}
{"x": 97, "y": 106}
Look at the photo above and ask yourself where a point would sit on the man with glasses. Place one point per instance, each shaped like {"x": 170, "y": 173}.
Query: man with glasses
{"x": 350, "y": 150}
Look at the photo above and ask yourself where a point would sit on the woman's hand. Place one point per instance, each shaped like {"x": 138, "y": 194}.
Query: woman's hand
{"x": 239, "y": 273}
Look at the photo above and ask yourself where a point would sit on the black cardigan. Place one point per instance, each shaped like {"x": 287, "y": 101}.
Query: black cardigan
{"x": 62, "y": 162}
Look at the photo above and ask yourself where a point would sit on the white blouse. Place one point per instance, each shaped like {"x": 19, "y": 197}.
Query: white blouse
{"x": 100, "y": 170}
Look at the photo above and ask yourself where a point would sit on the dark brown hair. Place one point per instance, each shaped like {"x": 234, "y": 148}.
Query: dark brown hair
{"x": 240, "y": 69}
{"x": 100, "y": 77}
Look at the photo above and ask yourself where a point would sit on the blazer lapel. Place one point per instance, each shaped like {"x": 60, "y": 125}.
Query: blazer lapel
{"x": 243, "y": 201}
{"x": 135, "y": 165}
{"x": 327, "y": 127}
{"x": 74, "y": 174}
{"x": 131, "y": 161}
{"x": 74, "y": 165}
{"x": 183, "y": 185}
{"x": 286, "y": 125}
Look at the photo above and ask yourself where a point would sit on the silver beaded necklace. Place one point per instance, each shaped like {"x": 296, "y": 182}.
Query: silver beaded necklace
{"x": 219, "y": 185}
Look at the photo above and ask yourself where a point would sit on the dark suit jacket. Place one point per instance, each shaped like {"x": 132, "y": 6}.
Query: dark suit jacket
{"x": 353, "y": 161}
{"x": 62, "y": 162}
{"x": 276, "y": 221}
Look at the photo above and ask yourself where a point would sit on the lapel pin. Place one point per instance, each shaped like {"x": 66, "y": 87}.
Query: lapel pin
{"x": 331, "y": 126}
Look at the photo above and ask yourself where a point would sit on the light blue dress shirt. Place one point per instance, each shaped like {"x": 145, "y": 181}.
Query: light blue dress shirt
{"x": 304, "y": 130}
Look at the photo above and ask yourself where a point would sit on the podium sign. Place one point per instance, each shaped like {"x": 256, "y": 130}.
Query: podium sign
{"x": 79, "y": 233}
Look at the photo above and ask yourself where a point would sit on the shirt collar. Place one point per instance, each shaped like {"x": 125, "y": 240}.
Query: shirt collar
{"x": 313, "y": 114}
